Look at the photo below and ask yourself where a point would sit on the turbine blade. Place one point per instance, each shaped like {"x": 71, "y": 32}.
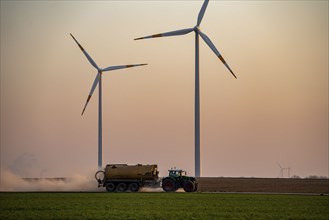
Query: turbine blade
{"x": 92, "y": 62}
{"x": 110, "y": 68}
{"x": 167, "y": 34}
{"x": 279, "y": 165}
{"x": 91, "y": 92}
{"x": 202, "y": 11}
{"x": 213, "y": 48}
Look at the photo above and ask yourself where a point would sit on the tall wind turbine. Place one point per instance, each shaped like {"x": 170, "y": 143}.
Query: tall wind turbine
{"x": 98, "y": 81}
{"x": 198, "y": 32}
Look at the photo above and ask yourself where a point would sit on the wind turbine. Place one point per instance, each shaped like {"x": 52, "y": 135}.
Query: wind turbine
{"x": 98, "y": 81}
{"x": 206, "y": 39}
{"x": 282, "y": 169}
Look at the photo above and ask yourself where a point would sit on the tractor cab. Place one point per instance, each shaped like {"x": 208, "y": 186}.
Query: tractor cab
{"x": 176, "y": 173}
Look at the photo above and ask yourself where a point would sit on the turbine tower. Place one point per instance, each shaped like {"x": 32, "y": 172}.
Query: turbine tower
{"x": 98, "y": 81}
{"x": 206, "y": 39}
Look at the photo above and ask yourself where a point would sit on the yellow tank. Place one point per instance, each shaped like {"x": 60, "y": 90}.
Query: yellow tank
{"x": 124, "y": 171}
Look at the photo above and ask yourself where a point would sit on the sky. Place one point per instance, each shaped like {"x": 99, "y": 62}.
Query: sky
{"x": 275, "y": 112}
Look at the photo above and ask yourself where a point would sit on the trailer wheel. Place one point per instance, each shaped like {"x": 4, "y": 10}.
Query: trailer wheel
{"x": 121, "y": 187}
{"x": 168, "y": 185}
{"x": 133, "y": 187}
{"x": 110, "y": 187}
{"x": 189, "y": 186}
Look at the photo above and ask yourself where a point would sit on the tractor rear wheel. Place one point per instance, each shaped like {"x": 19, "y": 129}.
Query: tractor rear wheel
{"x": 133, "y": 187}
{"x": 189, "y": 186}
{"x": 110, "y": 187}
{"x": 121, "y": 187}
{"x": 168, "y": 185}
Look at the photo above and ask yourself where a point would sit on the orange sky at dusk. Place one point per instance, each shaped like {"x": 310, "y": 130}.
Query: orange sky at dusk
{"x": 275, "y": 112}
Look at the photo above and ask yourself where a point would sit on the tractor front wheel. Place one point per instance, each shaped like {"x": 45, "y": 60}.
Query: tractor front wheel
{"x": 168, "y": 185}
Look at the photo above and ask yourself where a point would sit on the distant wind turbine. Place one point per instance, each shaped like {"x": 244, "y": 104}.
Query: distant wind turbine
{"x": 198, "y": 32}
{"x": 282, "y": 169}
{"x": 98, "y": 81}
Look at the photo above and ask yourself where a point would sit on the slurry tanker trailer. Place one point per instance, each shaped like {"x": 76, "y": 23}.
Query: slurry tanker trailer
{"x": 131, "y": 178}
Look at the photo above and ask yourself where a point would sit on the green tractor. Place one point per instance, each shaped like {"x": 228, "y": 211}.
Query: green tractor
{"x": 178, "y": 179}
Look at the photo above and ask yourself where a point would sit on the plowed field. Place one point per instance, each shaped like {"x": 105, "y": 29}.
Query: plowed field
{"x": 272, "y": 185}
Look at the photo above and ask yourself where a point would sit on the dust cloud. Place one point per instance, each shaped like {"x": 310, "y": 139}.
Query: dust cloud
{"x": 149, "y": 189}
{"x": 11, "y": 182}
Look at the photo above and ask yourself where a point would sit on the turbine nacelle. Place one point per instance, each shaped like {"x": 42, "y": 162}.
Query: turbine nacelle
{"x": 196, "y": 29}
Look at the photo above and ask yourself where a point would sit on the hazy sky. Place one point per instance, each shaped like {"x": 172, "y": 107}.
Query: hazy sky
{"x": 275, "y": 112}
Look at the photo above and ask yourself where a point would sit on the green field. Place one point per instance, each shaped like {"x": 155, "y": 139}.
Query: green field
{"x": 41, "y": 205}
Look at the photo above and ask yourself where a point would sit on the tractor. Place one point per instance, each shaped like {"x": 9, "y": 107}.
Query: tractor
{"x": 177, "y": 179}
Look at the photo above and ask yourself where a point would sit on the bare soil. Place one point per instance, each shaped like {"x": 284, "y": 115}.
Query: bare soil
{"x": 272, "y": 185}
